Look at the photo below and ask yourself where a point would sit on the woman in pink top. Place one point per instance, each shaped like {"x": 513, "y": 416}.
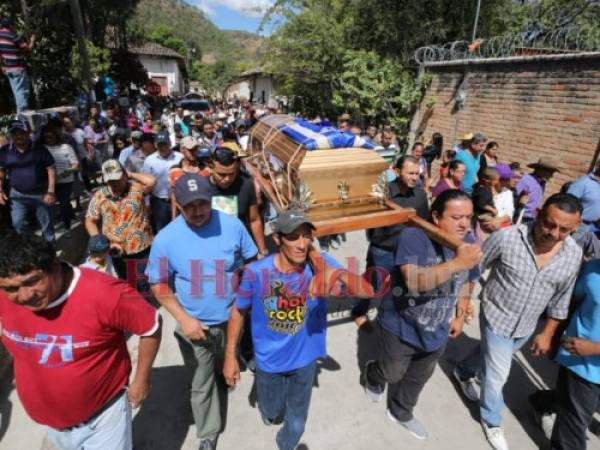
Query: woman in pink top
{"x": 453, "y": 180}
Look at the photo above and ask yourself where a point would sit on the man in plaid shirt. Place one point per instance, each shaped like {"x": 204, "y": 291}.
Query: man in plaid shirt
{"x": 533, "y": 268}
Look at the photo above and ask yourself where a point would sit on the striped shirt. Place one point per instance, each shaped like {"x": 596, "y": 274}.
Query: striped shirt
{"x": 517, "y": 291}
{"x": 11, "y": 53}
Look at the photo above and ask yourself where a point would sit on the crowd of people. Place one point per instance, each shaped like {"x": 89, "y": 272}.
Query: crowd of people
{"x": 175, "y": 221}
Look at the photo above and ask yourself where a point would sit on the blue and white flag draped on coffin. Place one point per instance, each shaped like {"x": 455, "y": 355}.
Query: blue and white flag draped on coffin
{"x": 318, "y": 137}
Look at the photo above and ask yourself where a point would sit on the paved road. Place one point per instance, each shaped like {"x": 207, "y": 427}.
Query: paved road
{"x": 340, "y": 417}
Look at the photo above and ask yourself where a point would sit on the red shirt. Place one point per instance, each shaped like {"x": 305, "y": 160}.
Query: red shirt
{"x": 72, "y": 358}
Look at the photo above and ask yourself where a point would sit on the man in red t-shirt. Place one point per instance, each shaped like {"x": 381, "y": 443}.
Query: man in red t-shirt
{"x": 66, "y": 330}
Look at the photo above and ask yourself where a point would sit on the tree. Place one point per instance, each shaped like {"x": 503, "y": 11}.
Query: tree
{"x": 165, "y": 36}
{"x": 306, "y": 54}
{"x": 378, "y": 88}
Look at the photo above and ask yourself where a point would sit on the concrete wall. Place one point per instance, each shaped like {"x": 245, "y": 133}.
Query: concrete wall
{"x": 240, "y": 90}
{"x": 264, "y": 84}
{"x": 164, "y": 67}
{"x": 545, "y": 106}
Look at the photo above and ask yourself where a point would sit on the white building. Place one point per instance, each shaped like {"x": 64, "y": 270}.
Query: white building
{"x": 239, "y": 90}
{"x": 262, "y": 87}
{"x": 164, "y": 65}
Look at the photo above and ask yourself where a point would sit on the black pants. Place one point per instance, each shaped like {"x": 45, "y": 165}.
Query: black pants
{"x": 63, "y": 196}
{"x": 577, "y": 400}
{"x": 405, "y": 368}
{"x": 141, "y": 260}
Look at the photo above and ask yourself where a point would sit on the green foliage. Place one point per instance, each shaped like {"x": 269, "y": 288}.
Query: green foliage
{"x": 100, "y": 62}
{"x": 165, "y": 36}
{"x": 376, "y": 87}
{"x": 306, "y": 54}
{"x": 53, "y": 65}
{"x": 322, "y": 73}
{"x": 214, "y": 77}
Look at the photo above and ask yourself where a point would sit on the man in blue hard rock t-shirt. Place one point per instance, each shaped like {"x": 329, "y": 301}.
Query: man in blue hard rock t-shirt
{"x": 286, "y": 295}
{"x": 428, "y": 304}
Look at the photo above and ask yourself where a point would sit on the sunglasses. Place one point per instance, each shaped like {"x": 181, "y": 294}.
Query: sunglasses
{"x": 295, "y": 236}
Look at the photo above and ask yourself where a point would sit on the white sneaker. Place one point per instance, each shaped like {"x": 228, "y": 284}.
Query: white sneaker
{"x": 547, "y": 423}
{"x": 414, "y": 426}
{"x": 468, "y": 386}
{"x": 495, "y": 437}
{"x": 373, "y": 392}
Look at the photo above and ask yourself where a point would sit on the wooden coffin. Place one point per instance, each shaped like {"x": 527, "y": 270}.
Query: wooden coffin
{"x": 325, "y": 171}
{"x": 341, "y": 190}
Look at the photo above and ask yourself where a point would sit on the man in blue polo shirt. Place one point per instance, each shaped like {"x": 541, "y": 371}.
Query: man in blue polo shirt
{"x": 428, "y": 303}
{"x": 200, "y": 250}
{"x": 32, "y": 180}
{"x": 158, "y": 165}
{"x": 286, "y": 293}
{"x": 587, "y": 190}
{"x": 470, "y": 157}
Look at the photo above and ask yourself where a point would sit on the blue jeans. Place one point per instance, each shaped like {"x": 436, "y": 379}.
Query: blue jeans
{"x": 382, "y": 259}
{"x": 496, "y": 359}
{"x": 161, "y": 212}
{"x": 23, "y": 205}
{"x": 19, "y": 83}
{"x": 289, "y": 391}
{"x": 110, "y": 430}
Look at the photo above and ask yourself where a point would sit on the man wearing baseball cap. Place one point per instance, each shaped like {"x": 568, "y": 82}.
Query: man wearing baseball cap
{"x": 118, "y": 210}
{"x": 32, "y": 179}
{"x": 286, "y": 295}
{"x": 158, "y": 165}
{"x": 200, "y": 250}
{"x": 190, "y": 163}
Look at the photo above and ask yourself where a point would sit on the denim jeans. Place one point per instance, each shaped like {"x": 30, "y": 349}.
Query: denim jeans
{"x": 19, "y": 83}
{"x": 289, "y": 391}
{"x": 496, "y": 359}
{"x": 382, "y": 259}
{"x": 24, "y": 205}
{"x": 110, "y": 430}
{"x": 161, "y": 212}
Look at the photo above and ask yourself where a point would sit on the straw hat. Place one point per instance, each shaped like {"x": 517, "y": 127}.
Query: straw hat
{"x": 545, "y": 163}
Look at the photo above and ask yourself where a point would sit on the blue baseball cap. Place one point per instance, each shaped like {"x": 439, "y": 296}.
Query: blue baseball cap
{"x": 98, "y": 244}
{"x": 18, "y": 125}
{"x": 163, "y": 138}
{"x": 204, "y": 152}
{"x": 191, "y": 187}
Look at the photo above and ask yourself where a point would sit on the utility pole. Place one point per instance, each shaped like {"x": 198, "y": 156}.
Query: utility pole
{"x": 80, "y": 34}
{"x": 476, "y": 20}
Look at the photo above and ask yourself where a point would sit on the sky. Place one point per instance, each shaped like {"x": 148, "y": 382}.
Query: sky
{"x": 243, "y": 15}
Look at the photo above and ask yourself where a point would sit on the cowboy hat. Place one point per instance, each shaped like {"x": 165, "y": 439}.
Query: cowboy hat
{"x": 545, "y": 163}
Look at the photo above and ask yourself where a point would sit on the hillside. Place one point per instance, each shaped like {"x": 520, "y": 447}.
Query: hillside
{"x": 189, "y": 23}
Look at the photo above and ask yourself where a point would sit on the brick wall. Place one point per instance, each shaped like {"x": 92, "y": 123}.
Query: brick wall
{"x": 545, "y": 107}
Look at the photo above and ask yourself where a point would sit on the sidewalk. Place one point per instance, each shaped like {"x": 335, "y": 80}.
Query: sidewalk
{"x": 340, "y": 416}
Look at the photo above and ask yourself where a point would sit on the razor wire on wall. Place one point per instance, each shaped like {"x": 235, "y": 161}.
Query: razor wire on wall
{"x": 559, "y": 42}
